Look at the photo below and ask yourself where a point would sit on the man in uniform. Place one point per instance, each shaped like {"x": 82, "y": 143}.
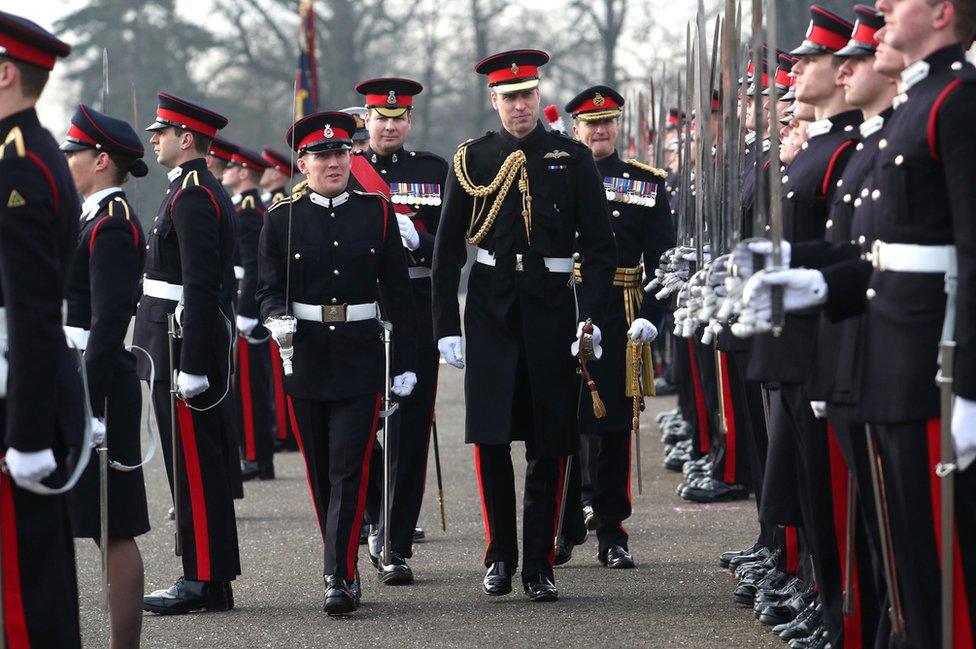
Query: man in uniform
{"x": 40, "y": 403}
{"x": 360, "y": 137}
{"x": 189, "y": 260}
{"x": 521, "y": 196}
{"x": 643, "y": 229}
{"x": 344, "y": 254}
{"x": 276, "y": 177}
{"x": 414, "y": 180}
{"x": 102, "y": 152}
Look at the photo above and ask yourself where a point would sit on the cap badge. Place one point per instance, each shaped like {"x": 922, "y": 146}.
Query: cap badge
{"x": 514, "y": 68}
{"x": 328, "y": 132}
{"x": 391, "y": 98}
{"x": 598, "y": 100}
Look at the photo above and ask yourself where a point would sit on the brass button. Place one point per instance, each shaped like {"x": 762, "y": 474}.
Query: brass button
{"x": 956, "y": 65}
{"x": 861, "y": 240}
{"x": 576, "y": 256}
{"x": 883, "y": 144}
{"x": 830, "y": 223}
{"x": 899, "y": 160}
{"x": 859, "y": 147}
{"x": 372, "y": 251}
{"x": 298, "y": 255}
{"x": 615, "y": 213}
{"x": 865, "y": 192}
{"x": 382, "y": 171}
{"x": 857, "y": 202}
{"x": 626, "y": 175}
{"x": 876, "y": 194}
{"x": 786, "y": 179}
{"x": 790, "y": 194}
{"x": 847, "y": 198}
{"x": 331, "y": 327}
{"x": 335, "y": 272}
{"x": 335, "y": 244}
{"x": 334, "y": 300}
{"x": 840, "y": 183}
{"x": 870, "y": 293}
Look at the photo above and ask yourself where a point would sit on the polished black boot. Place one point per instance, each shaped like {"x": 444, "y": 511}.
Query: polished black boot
{"x": 616, "y": 557}
{"x": 395, "y": 573}
{"x": 339, "y": 598}
{"x": 539, "y": 588}
{"x": 186, "y": 596}
{"x": 498, "y": 579}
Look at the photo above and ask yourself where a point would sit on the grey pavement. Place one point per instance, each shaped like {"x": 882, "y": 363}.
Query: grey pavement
{"x": 677, "y": 597}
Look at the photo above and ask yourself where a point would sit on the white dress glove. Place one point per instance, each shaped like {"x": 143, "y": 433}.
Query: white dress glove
{"x": 190, "y": 385}
{"x": 246, "y": 325}
{"x": 964, "y": 426}
{"x": 98, "y": 432}
{"x": 597, "y": 338}
{"x": 743, "y": 256}
{"x": 28, "y": 469}
{"x": 408, "y": 232}
{"x": 642, "y": 331}
{"x": 403, "y": 384}
{"x": 802, "y": 288}
{"x": 450, "y": 349}
{"x": 819, "y": 409}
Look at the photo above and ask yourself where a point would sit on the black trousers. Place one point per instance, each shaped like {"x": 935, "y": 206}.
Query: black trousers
{"x": 700, "y": 416}
{"x": 253, "y": 384}
{"x": 208, "y": 528}
{"x": 336, "y": 439}
{"x": 283, "y": 431}
{"x": 731, "y": 461}
{"x": 232, "y": 423}
{"x": 909, "y": 454}
{"x": 540, "y": 507}
{"x": 608, "y": 465}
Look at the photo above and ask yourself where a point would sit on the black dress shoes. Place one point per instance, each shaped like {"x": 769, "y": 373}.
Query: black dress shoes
{"x": 783, "y": 612}
{"x": 745, "y": 592}
{"x": 590, "y": 519}
{"x": 759, "y": 554}
{"x": 395, "y": 573}
{"x": 498, "y": 579}
{"x": 252, "y": 470}
{"x": 726, "y": 557}
{"x": 713, "y": 491}
{"x": 419, "y": 535}
{"x": 186, "y": 596}
{"x": 803, "y": 626}
{"x": 339, "y": 598}
{"x": 616, "y": 557}
{"x": 539, "y": 588}
{"x": 285, "y": 446}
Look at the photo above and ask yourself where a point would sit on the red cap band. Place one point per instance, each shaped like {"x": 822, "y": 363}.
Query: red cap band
{"x": 782, "y": 77}
{"x": 25, "y": 52}
{"x": 825, "y": 38}
{"x": 190, "y": 123}
{"x": 318, "y": 136}
{"x": 512, "y": 73}
{"x": 381, "y": 101}
{"x": 76, "y": 133}
{"x": 218, "y": 151}
{"x": 865, "y": 34}
{"x": 590, "y": 105}
{"x": 247, "y": 161}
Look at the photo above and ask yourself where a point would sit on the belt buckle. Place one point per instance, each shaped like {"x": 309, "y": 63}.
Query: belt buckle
{"x": 333, "y": 313}
{"x": 876, "y": 254}
{"x": 518, "y": 262}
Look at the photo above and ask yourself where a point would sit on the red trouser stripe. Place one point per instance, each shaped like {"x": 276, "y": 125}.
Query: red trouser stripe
{"x": 962, "y": 629}
{"x": 839, "y": 477}
{"x": 792, "y": 554}
{"x": 194, "y": 478}
{"x": 247, "y": 407}
{"x": 555, "y": 514}
{"x": 308, "y": 476}
{"x": 14, "y": 622}
{"x": 729, "y": 476}
{"x": 353, "y": 550}
{"x": 481, "y": 492}
{"x": 281, "y": 408}
{"x": 701, "y": 410}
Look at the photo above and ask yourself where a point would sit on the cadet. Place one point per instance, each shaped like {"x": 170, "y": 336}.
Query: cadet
{"x": 276, "y": 177}
{"x": 522, "y": 313}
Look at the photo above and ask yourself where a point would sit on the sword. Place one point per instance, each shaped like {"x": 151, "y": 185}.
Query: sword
{"x": 775, "y": 178}
{"x": 174, "y": 430}
{"x": 562, "y": 501}
{"x": 946, "y": 469}
{"x": 759, "y": 213}
{"x": 437, "y": 466}
{"x": 389, "y": 407}
{"x": 849, "y": 540}
{"x": 103, "y": 508}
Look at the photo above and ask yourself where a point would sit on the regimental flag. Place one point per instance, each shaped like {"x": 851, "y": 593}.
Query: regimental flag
{"x": 306, "y": 83}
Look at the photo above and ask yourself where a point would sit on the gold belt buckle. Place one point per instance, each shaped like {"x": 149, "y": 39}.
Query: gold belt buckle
{"x": 333, "y": 313}
{"x": 518, "y": 262}
{"x": 876, "y": 254}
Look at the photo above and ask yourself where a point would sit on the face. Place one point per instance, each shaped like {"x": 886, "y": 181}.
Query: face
{"x": 863, "y": 86}
{"x": 816, "y": 78}
{"x": 887, "y": 60}
{"x": 170, "y": 145}
{"x": 84, "y": 166}
{"x": 327, "y": 171}
{"x": 599, "y": 135}
{"x": 359, "y": 146}
{"x": 909, "y": 23}
{"x": 750, "y": 115}
{"x": 387, "y": 134}
{"x": 229, "y": 177}
{"x": 804, "y": 112}
{"x": 518, "y": 111}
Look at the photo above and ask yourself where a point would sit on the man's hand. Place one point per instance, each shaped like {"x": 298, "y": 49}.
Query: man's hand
{"x": 450, "y": 349}
{"x": 246, "y": 325}
{"x": 596, "y": 335}
{"x": 745, "y": 255}
{"x": 819, "y": 409}
{"x": 403, "y": 384}
{"x": 28, "y": 469}
{"x": 97, "y": 432}
{"x": 408, "y": 232}
{"x": 642, "y": 331}
{"x": 190, "y": 385}
{"x": 802, "y": 289}
{"x": 964, "y": 426}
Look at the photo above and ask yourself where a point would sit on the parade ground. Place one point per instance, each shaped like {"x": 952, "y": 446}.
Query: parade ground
{"x": 677, "y": 597}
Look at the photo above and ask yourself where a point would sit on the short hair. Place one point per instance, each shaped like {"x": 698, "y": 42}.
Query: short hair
{"x": 965, "y": 26}
{"x": 201, "y": 143}
{"x": 32, "y": 78}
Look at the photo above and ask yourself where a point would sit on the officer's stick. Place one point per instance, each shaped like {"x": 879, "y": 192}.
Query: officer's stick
{"x": 562, "y": 501}
{"x": 946, "y": 470}
{"x": 388, "y": 409}
{"x": 437, "y": 466}
{"x": 849, "y": 540}
{"x": 103, "y": 507}
{"x": 174, "y": 431}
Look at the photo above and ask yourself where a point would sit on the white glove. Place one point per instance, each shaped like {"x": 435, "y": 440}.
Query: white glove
{"x": 802, "y": 288}
{"x": 403, "y": 384}
{"x": 642, "y": 331}
{"x": 450, "y": 349}
{"x": 744, "y": 253}
{"x": 408, "y": 232}
{"x": 98, "y": 432}
{"x": 246, "y": 325}
{"x": 28, "y": 469}
{"x": 597, "y": 337}
{"x": 964, "y": 426}
{"x": 819, "y": 409}
{"x": 190, "y": 385}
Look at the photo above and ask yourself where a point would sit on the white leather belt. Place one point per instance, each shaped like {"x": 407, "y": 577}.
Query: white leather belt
{"x": 162, "y": 290}
{"x": 335, "y": 312}
{"x": 913, "y": 258}
{"x": 417, "y": 272}
{"x": 553, "y": 264}
{"x": 238, "y": 272}
{"x": 76, "y": 337}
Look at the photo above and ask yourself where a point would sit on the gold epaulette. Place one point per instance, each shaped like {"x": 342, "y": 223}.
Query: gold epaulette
{"x": 16, "y": 138}
{"x": 299, "y": 188}
{"x": 247, "y": 204}
{"x": 125, "y": 207}
{"x": 191, "y": 179}
{"x": 633, "y": 162}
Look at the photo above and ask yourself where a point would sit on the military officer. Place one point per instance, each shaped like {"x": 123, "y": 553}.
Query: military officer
{"x": 102, "y": 153}
{"x": 189, "y": 260}
{"x": 276, "y": 177}
{"x": 414, "y": 180}
{"x": 344, "y": 254}
{"x": 643, "y": 229}
{"x": 520, "y": 196}
{"x": 360, "y": 137}
{"x": 40, "y": 396}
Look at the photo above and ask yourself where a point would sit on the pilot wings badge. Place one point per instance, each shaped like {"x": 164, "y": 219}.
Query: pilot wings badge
{"x": 556, "y": 155}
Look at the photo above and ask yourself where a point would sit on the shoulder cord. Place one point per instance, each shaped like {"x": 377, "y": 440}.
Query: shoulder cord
{"x": 513, "y": 165}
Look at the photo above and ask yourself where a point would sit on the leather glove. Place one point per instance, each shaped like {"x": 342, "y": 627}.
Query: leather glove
{"x": 408, "y": 232}
{"x": 246, "y": 325}
{"x": 744, "y": 254}
{"x": 642, "y": 331}
{"x": 190, "y": 385}
{"x": 28, "y": 469}
{"x": 964, "y": 426}
{"x": 802, "y": 288}
{"x": 450, "y": 349}
{"x": 403, "y": 384}
{"x": 98, "y": 432}
{"x": 597, "y": 337}
{"x": 819, "y": 409}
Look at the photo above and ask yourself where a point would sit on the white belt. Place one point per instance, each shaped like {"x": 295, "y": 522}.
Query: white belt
{"x": 162, "y": 290}
{"x": 76, "y": 337}
{"x": 553, "y": 264}
{"x": 238, "y": 272}
{"x": 418, "y": 272}
{"x": 913, "y": 258}
{"x": 335, "y": 312}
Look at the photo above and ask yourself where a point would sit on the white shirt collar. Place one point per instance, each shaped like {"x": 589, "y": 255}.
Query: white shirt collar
{"x": 871, "y": 126}
{"x": 174, "y": 173}
{"x": 914, "y": 73}
{"x": 319, "y": 199}
{"x": 265, "y": 197}
{"x": 750, "y": 137}
{"x": 818, "y": 128}
{"x": 90, "y": 207}
{"x": 767, "y": 144}
{"x": 236, "y": 199}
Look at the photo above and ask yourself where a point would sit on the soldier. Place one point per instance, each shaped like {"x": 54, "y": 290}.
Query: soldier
{"x": 521, "y": 195}
{"x": 40, "y": 396}
{"x": 189, "y": 262}
{"x": 414, "y": 180}
{"x": 360, "y": 137}
{"x": 345, "y": 254}
{"x": 276, "y": 177}
{"x": 643, "y": 229}
{"x": 102, "y": 152}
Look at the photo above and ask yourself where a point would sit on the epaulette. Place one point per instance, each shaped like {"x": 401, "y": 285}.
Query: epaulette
{"x": 300, "y": 188}
{"x": 192, "y": 179}
{"x": 966, "y": 73}
{"x": 475, "y": 140}
{"x": 297, "y": 192}
{"x": 661, "y": 173}
{"x": 277, "y": 196}
{"x": 124, "y": 211}
{"x": 247, "y": 204}
{"x": 13, "y": 144}
{"x": 361, "y": 192}
{"x": 567, "y": 138}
